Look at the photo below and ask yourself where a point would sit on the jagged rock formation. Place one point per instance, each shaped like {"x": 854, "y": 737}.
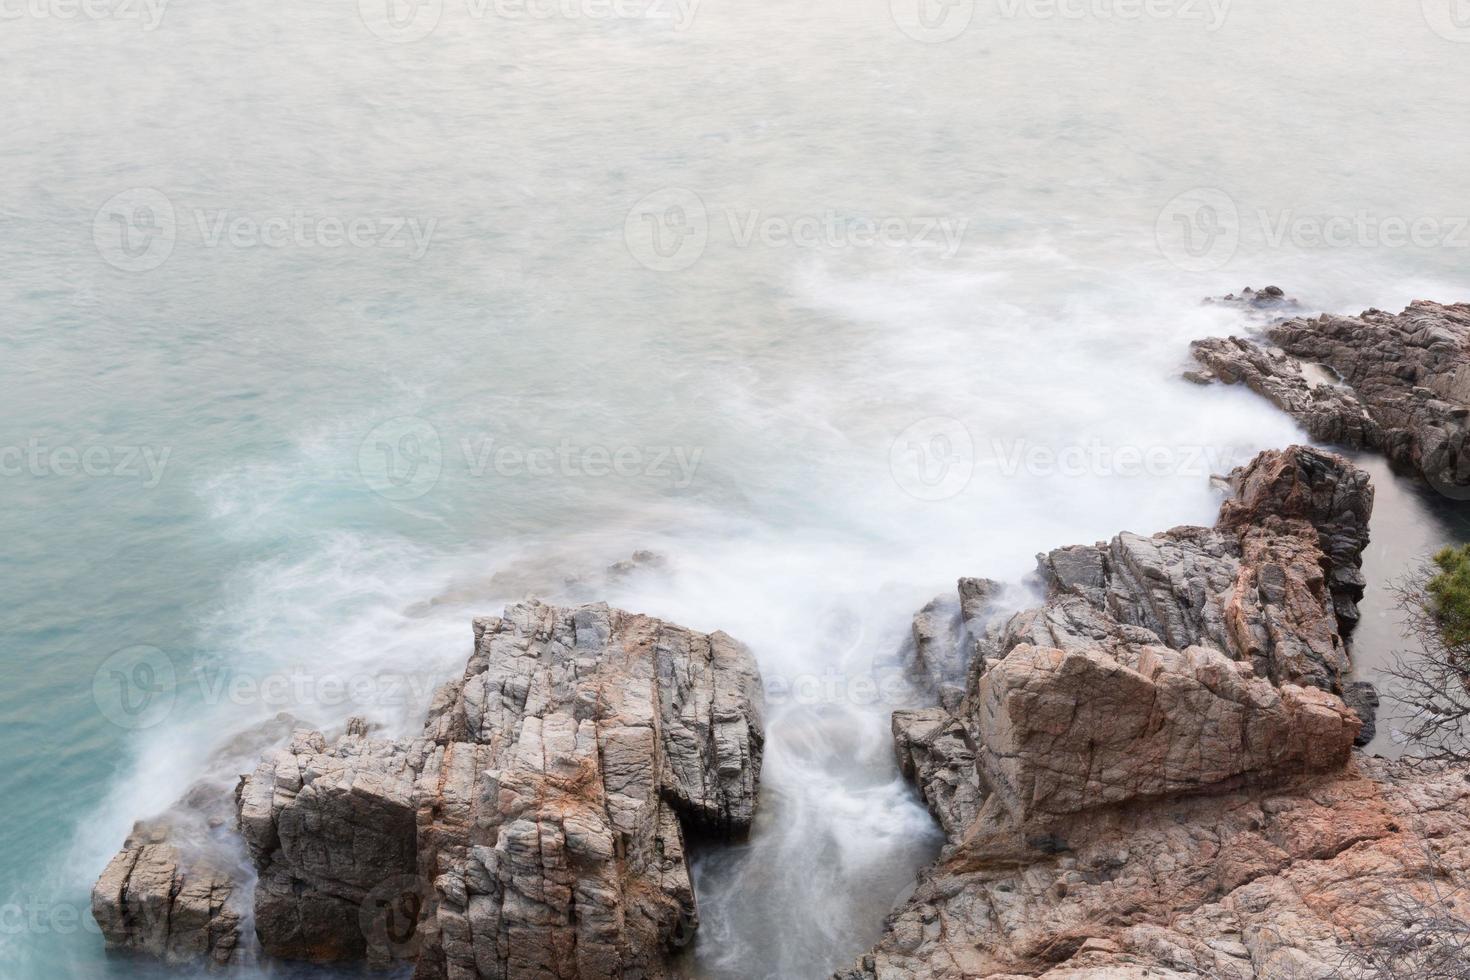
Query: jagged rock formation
{"x": 1151, "y": 773}
{"x": 1275, "y": 583}
{"x": 175, "y": 891}
{"x": 936, "y": 753}
{"x": 946, "y": 634}
{"x": 160, "y": 898}
{"x": 1399, "y": 384}
{"x": 326, "y": 825}
{"x": 1067, "y": 730}
{"x": 1270, "y": 301}
{"x": 1256, "y": 884}
{"x": 537, "y": 828}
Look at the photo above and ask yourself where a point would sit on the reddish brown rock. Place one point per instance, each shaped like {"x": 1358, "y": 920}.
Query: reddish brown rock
{"x": 1399, "y": 384}
{"x": 1059, "y": 732}
{"x": 1151, "y": 775}
{"x": 1289, "y": 881}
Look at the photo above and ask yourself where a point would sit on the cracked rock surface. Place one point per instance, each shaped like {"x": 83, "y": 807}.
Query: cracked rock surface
{"x": 538, "y": 828}
{"x": 1152, "y": 773}
{"x": 1254, "y": 884}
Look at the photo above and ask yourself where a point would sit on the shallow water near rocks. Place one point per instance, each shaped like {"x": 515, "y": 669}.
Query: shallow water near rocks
{"x": 818, "y": 431}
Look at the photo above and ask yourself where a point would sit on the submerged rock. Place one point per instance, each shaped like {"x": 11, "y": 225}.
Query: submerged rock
{"x": 1272, "y": 300}
{"x": 1151, "y": 773}
{"x": 1399, "y": 384}
{"x": 945, "y": 637}
{"x": 538, "y": 826}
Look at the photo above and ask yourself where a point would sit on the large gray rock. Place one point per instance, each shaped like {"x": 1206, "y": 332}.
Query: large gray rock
{"x": 1274, "y": 584}
{"x": 326, "y": 825}
{"x": 1063, "y": 731}
{"x": 536, "y": 829}
{"x": 1399, "y": 384}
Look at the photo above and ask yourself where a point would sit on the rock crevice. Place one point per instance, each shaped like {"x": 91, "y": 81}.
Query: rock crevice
{"x": 536, "y": 829}
{"x": 1151, "y": 774}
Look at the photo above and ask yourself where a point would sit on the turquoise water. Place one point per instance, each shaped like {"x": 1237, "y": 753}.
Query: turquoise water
{"x": 316, "y": 344}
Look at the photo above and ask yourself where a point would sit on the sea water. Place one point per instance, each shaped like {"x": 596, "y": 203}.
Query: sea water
{"x": 328, "y": 326}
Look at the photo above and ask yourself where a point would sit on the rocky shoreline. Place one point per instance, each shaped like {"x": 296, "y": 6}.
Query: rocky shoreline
{"x": 1146, "y": 762}
{"x": 1397, "y": 384}
{"x": 539, "y": 827}
{"x": 1152, "y": 773}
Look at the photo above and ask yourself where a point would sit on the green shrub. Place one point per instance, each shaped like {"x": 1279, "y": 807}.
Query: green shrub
{"x": 1449, "y": 595}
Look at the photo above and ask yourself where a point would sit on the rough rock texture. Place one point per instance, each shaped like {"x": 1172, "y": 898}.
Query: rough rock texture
{"x": 537, "y": 828}
{"x": 946, "y": 636}
{"x": 1271, "y": 300}
{"x": 936, "y": 754}
{"x": 176, "y": 890}
{"x": 325, "y": 826}
{"x": 1150, "y": 773}
{"x": 1265, "y": 883}
{"x": 1205, "y": 637}
{"x": 567, "y": 763}
{"x": 1399, "y": 384}
{"x": 1065, "y": 731}
{"x": 160, "y": 898}
{"x": 1274, "y": 584}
